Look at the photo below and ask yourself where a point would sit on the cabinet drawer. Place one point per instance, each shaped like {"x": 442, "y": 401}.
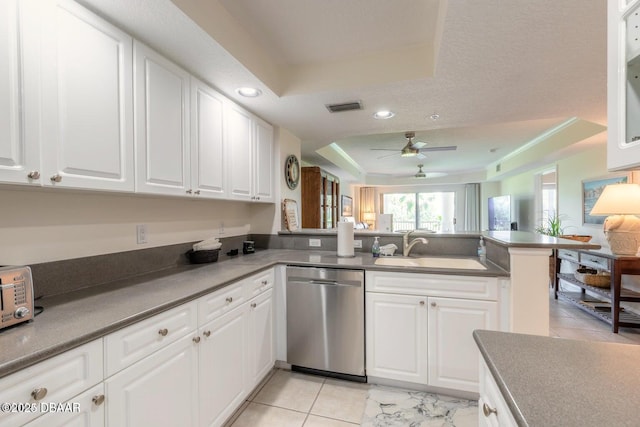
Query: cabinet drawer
{"x": 124, "y": 347}
{"x": 257, "y": 284}
{"x": 491, "y": 396}
{"x": 219, "y": 302}
{"x": 441, "y": 285}
{"x": 568, "y": 255}
{"x": 63, "y": 377}
{"x": 595, "y": 261}
{"x": 84, "y": 411}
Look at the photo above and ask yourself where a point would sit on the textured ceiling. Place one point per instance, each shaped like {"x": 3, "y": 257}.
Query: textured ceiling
{"x": 499, "y": 73}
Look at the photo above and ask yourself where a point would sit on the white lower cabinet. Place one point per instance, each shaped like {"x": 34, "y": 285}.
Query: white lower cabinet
{"x": 419, "y": 330}
{"x": 396, "y": 337}
{"x": 492, "y": 408}
{"x": 453, "y": 354}
{"x": 223, "y": 366}
{"x": 85, "y": 410}
{"x": 160, "y": 390}
{"x": 261, "y": 337}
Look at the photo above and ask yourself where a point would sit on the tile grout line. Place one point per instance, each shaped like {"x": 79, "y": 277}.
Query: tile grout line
{"x": 324, "y": 381}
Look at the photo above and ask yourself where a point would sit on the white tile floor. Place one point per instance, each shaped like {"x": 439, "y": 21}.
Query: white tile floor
{"x": 294, "y": 399}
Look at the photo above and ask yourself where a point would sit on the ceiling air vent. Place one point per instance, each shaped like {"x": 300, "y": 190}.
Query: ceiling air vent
{"x": 346, "y": 106}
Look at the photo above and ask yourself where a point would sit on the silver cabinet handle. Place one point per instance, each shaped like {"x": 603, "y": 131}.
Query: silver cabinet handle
{"x": 34, "y": 175}
{"x": 197, "y": 192}
{"x": 421, "y": 302}
{"x": 163, "y": 332}
{"x": 189, "y": 191}
{"x": 488, "y": 410}
{"x": 39, "y": 393}
{"x": 229, "y": 299}
{"x": 264, "y": 282}
{"x": 98, "y": 399}
{"x": 253, "y": 305}
{"x": 207, "y": 334}
{"x": 433, "y": 304}
{"x": 196, "y": 340}
{"x": 56, "y": 178}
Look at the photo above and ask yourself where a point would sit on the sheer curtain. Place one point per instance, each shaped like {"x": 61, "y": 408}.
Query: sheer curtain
{"x": 472, "y": 207}
{"x": 367, "y": 201}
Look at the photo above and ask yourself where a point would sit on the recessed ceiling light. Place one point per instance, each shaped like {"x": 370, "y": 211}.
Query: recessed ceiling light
{"x": 384, "y": 114}
{"x": 434, "y": 116}
{"x": 249, "y": 92}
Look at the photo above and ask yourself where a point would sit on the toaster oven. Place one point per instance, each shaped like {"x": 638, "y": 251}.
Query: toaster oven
{"x": 16, "y": 296}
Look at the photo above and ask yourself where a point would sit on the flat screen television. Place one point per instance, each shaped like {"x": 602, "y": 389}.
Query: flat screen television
{"x": 500, "y": 213}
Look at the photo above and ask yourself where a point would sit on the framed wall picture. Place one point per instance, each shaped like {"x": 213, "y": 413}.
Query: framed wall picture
{"x": 347, "y": 205}
{"x": 591, "y": 190}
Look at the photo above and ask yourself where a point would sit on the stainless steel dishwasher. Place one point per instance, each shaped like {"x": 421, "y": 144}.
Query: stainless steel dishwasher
{"x": 325, "y": 321}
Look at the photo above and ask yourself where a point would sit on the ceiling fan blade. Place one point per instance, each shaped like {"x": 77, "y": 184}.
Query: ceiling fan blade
{"x": 384, "y": 149}
{"x": 418, "y": 144}
{"x": 388, "y": 155}
{"x": 447, "y": 148}
{"x": 421, "y": 156}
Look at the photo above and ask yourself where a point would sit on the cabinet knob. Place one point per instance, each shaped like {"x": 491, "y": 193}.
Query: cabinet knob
{"x": 488, "y": 410}
{"x": 264, "y": 282}
{"x": 433, "y": 304}
{"x": 421, "y": 302}
{"x": 253, "y": 305}
{"x": 257, "y": 197}
{"x": 34, "y": 175}
{"x": 207, "y": 334}
{"x": 229, "y": 299}
{"x": 196, "y": 192}
{"x": 163, "y": 332}
{"x": 98, "y": 399}
{"x": 39, "y": 393}
{"x": 56, "y": 178}
{"x": 189, "y": 191}
{"x": 196, "y": 340}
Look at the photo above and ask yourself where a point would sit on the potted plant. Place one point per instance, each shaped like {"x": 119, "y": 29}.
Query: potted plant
{"x": 552, "y": 226}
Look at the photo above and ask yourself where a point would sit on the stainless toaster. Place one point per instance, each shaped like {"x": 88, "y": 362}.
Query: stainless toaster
{"x": 16, "y": 298}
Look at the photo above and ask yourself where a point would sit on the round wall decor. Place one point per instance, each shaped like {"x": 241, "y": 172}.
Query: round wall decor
{"x": 292, "y": 171}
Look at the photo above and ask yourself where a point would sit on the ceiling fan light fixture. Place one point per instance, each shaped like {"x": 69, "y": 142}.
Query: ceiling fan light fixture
{"x": 383, "y": 114}
{"x": 249, "y": 92}
{"x": 407, "y": 151}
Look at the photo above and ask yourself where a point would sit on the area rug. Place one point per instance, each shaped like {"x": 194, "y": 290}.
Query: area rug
{"x": 387, "y": 407}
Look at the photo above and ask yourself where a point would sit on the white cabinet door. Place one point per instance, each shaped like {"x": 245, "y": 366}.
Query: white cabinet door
{"x": 263, "y": 166}
{"x": 162, "y": 124}
{"x": 453, "y": 355}
{"x": 623, "y": 85}
{"x": 160, "y": 390}
{"x": 87, "y": 137}
{"x": 19, "y": 99}
{"x": 239, "y": 131}
{"x": 208, "y": 162}
{"x": 223, "y": 366}
{"x": 84, "y": 410}
{"x": 261, "y": 339}
{"x": 396, "y": 337}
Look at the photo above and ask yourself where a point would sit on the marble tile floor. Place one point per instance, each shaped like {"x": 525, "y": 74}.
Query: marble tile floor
{"x": 296, "y": 400}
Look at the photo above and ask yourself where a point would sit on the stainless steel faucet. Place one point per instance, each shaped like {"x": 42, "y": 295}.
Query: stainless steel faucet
{"x": 406, "y": 246}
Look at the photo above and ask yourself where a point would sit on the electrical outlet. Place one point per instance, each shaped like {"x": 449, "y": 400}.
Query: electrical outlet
{"x": 221, "y": 227}
{"x": 314, "y": 243}
{"x": 141, "y": 233}
{"x": 357, "y": 244}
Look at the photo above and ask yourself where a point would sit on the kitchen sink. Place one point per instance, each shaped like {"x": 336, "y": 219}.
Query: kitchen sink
{"x": 432, "y": 262}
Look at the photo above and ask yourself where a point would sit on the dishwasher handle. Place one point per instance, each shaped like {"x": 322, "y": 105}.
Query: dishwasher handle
{"x": 323, "y": 282}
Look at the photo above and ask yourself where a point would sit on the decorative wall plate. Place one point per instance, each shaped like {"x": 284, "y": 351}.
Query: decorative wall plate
{"x": 292, "y": 171}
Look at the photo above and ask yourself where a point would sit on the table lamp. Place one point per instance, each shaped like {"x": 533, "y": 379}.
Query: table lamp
{"x": 622, "y": 227}
{"x": 369, "y": 218}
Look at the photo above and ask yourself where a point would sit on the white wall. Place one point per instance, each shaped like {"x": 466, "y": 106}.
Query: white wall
{"x": 39, "y": 225}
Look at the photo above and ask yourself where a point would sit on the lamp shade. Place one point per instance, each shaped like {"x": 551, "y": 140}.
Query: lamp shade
{"x": 618, "y": 199}
{"x": 369, "y": 216}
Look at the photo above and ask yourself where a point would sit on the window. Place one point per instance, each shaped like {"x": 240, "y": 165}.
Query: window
{"x": 424, "y": 211}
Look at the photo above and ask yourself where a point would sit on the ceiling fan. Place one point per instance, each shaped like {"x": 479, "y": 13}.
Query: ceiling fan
{"x": 414, "y": 149}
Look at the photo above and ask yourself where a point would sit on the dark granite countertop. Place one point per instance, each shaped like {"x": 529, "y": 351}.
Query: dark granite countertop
{"x": 72, "y": 319}
{"x": 559, "y": 382}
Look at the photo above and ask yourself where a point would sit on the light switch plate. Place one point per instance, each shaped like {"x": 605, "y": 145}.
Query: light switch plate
{"x": 314, "y": 243}
{"x": 357, "y": 244}
{"x": 141, "y": 233}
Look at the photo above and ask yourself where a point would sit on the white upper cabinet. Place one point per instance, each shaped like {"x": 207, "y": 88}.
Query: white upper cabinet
{"x": 162, "y": 124}
{"x": 250, "y": 143}
{"x": 263, "y": 183}
{"x": 87, "y": 117}
{"x": 208, "y": 151}
{"x": 623, "y": 85}
{"x": 19, "y": 145}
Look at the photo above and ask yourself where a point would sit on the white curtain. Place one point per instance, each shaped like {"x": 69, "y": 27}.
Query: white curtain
{"x": 367, "y": 201}
{"x": 472, "y": 207}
